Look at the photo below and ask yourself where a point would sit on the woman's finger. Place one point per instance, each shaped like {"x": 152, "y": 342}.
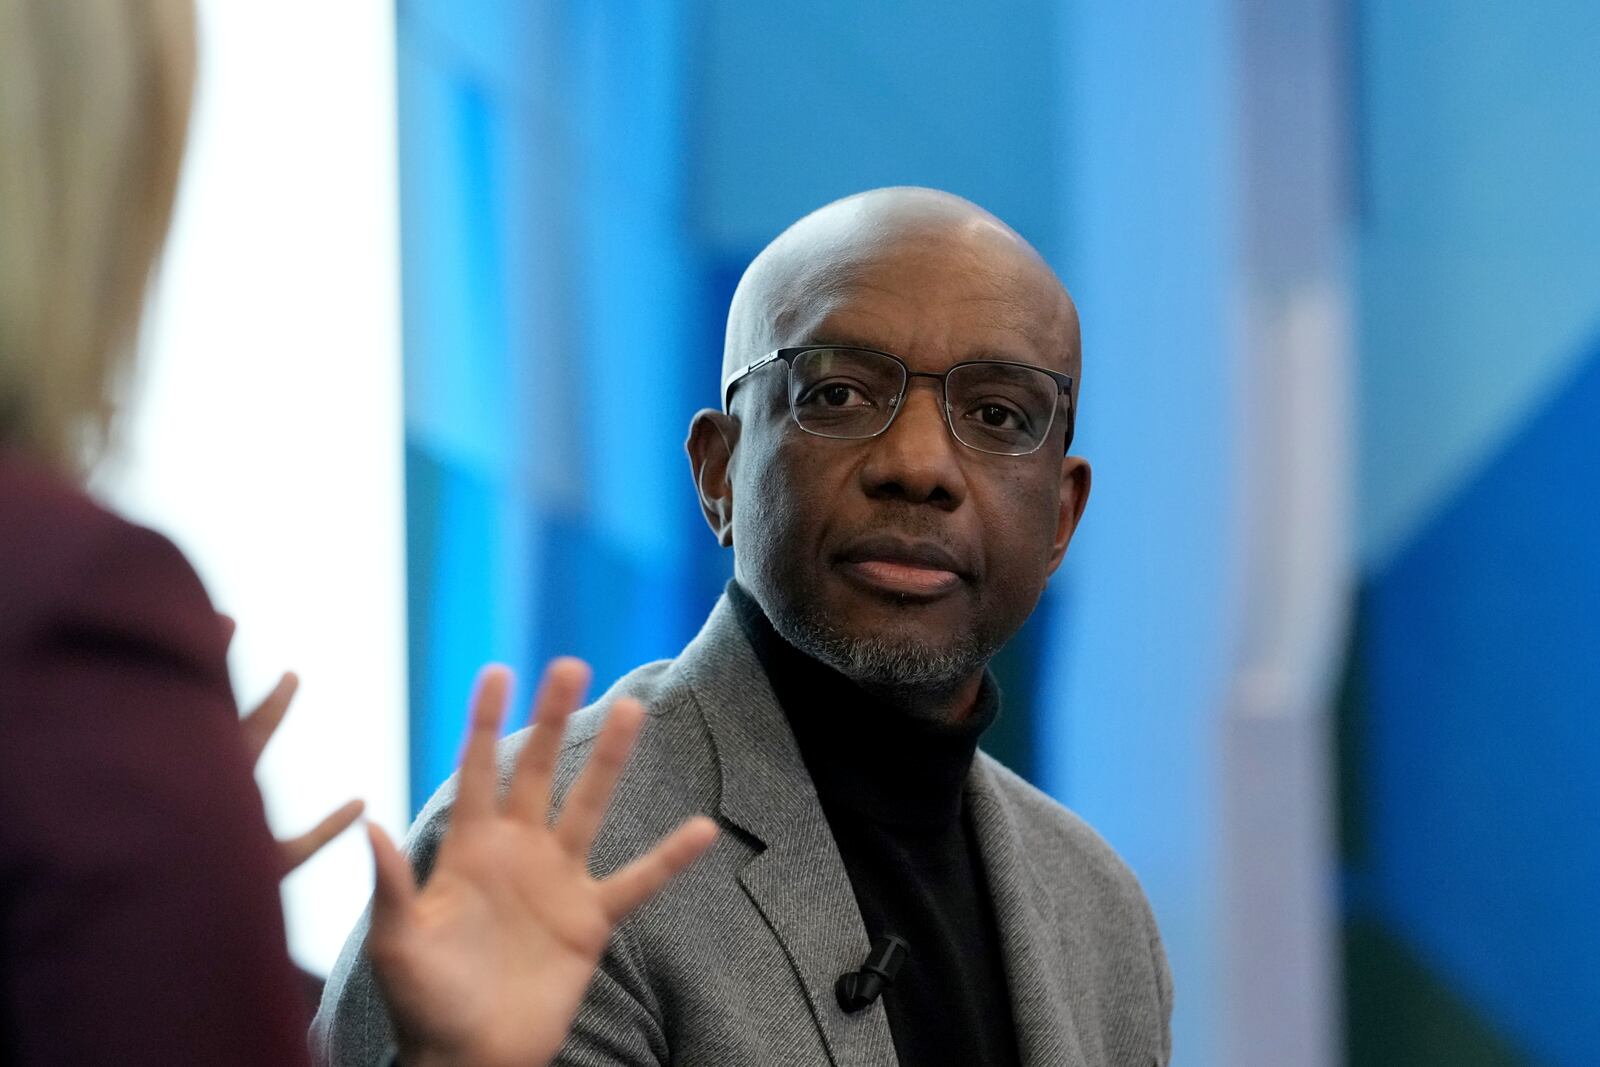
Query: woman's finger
{"x": 644, "y": 877}
{"x": 260, "y": 724}
{"x": 476, "y": 783}
{"x": 296, "y": 850}
{"x": 586, "y": 803}
{"x": 560, "y": 693}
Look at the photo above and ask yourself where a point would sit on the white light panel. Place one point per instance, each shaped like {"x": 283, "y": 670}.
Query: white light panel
{"x": 264, "y": 434}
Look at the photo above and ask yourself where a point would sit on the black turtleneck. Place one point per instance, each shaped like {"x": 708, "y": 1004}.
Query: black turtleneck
{"x": 892, "y": 790}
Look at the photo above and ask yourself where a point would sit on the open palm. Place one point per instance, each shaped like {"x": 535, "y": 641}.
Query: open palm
{"x": 487, "y": 963}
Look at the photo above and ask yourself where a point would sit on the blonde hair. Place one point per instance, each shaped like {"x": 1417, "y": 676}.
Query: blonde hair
{"x": 94, "y": 107}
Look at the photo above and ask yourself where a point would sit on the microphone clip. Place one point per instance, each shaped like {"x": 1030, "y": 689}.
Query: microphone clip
{"x": 857, "y": 989}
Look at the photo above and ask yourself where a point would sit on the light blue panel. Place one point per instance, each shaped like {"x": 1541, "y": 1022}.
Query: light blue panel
{"x": 1149, "y": 624}
{"x": 454, "y": 285}
{"x": 620, "y": 540}
{"x": 638, "y": 278}
{"x": 547, "y": 344}
{"x": 469, "y": 79}
{"x": 492, "y": 43}
{"x": 803, "y": 102}
{"x": 463, "y": 529}
{"x": 1478, "y": 262}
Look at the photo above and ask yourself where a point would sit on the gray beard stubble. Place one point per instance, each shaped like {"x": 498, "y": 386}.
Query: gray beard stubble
{"x": 885, "y": 664}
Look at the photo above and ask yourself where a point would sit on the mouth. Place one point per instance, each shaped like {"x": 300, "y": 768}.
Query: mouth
{"x": 904, "y": 569}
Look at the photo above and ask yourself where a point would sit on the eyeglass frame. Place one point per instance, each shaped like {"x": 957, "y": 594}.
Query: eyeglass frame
{"x": 1064, "y": 384}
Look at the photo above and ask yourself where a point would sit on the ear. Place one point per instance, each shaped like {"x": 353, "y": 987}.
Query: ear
{"x": 712, "y": 436}
{"x": 1075, "y": 479}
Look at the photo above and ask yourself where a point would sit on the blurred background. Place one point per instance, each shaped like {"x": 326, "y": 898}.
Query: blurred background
{"x": 448, "y": 279}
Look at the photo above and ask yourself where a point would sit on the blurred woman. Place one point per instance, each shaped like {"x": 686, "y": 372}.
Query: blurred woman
{"x": 139, "y": 910}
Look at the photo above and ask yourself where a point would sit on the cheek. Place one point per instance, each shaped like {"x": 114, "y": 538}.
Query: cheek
{"x": 1020, "y": 546}
{"x": 1022, "y": 529}
{"x": 777, "y": 504}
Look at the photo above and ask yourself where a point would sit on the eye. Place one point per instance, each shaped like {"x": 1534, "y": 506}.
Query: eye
{"x": 836, "y": 393}
{"x": 998, "y": 415}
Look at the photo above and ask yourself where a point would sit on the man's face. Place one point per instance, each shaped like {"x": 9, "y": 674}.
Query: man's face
{"x": 908, "y": 557}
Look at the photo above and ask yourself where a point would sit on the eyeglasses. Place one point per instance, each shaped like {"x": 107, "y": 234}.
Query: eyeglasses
{"x": 994, "y": 406}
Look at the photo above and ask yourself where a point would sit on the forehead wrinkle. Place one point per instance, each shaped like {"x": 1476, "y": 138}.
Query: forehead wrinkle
{"x": 1002, "y": 309}
{"x": 841, "y": 320}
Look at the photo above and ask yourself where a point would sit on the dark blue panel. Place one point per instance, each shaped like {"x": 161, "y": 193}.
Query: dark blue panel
{"x": 596, "y": 603}
{"x": 1484, "y": 746}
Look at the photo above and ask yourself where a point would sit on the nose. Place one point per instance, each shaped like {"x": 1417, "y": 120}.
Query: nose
{"x": 916, "y": 459}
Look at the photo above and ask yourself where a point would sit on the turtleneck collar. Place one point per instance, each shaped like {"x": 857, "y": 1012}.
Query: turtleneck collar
{"x": 866, "y": 759}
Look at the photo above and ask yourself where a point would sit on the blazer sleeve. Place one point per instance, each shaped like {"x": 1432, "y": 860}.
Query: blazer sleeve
{"x": 1158, "y": 960}
{"x": 139, "y": 914}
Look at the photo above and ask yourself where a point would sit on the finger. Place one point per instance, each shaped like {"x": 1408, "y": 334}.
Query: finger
{"x": 261, "y": 723}
{"x": 560, "y": 693}
{"x": 586, "y": 804}
{"x": 394, "y": 886}
{"x": 296, "y": 850}
{"x": 644, "y": 877}
{"x": 475, "y": 788}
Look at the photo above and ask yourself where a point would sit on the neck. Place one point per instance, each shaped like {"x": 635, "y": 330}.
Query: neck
{"x": 945, "y": 704}
{"x": 888, "y": 754}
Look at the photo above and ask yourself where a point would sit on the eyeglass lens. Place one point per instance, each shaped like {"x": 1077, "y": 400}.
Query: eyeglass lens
{"x": 852, "y": 393}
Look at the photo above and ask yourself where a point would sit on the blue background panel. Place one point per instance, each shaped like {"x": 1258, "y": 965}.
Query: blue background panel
{"x": 1483, "y": 741}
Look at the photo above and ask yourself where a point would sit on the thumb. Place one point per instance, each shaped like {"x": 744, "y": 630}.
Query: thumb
{"x": 395, "y": 887}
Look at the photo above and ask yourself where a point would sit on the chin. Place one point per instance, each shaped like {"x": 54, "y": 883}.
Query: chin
{"x": 897, "y": 652}
{"x": 882, "y": 662}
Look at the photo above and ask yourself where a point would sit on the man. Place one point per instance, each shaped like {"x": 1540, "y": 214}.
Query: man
{"x": 890, "y": 468}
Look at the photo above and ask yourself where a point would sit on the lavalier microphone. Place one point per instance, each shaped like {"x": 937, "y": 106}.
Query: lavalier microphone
{"x": 857, "y": 989}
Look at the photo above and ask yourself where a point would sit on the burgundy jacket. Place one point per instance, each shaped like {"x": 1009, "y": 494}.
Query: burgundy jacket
{"x": 139, "y": 913}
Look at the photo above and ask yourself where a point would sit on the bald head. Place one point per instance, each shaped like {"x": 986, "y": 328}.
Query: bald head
{"x": 788, "y": 291}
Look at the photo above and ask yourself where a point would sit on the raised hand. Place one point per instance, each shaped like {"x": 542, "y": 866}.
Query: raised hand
{"x": 259, "y": 725}
{"x": 486, "y": 964}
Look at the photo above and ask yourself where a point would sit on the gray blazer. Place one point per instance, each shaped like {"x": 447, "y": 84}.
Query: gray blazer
{"x": 735, "y": 962}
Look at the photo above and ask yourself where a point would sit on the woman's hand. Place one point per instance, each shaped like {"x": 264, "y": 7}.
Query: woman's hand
{"x": 259, "y": 725}
{"x": 487, "y": 962}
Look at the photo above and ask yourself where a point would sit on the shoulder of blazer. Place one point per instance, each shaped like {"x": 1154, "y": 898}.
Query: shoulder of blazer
{"x": 65, "y": 561}
{"x": 1057, "y": 839}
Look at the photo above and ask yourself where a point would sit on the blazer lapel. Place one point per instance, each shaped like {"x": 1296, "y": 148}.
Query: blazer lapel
{"x": 796, "y": 880}
{"x": 1030, "y": 931}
